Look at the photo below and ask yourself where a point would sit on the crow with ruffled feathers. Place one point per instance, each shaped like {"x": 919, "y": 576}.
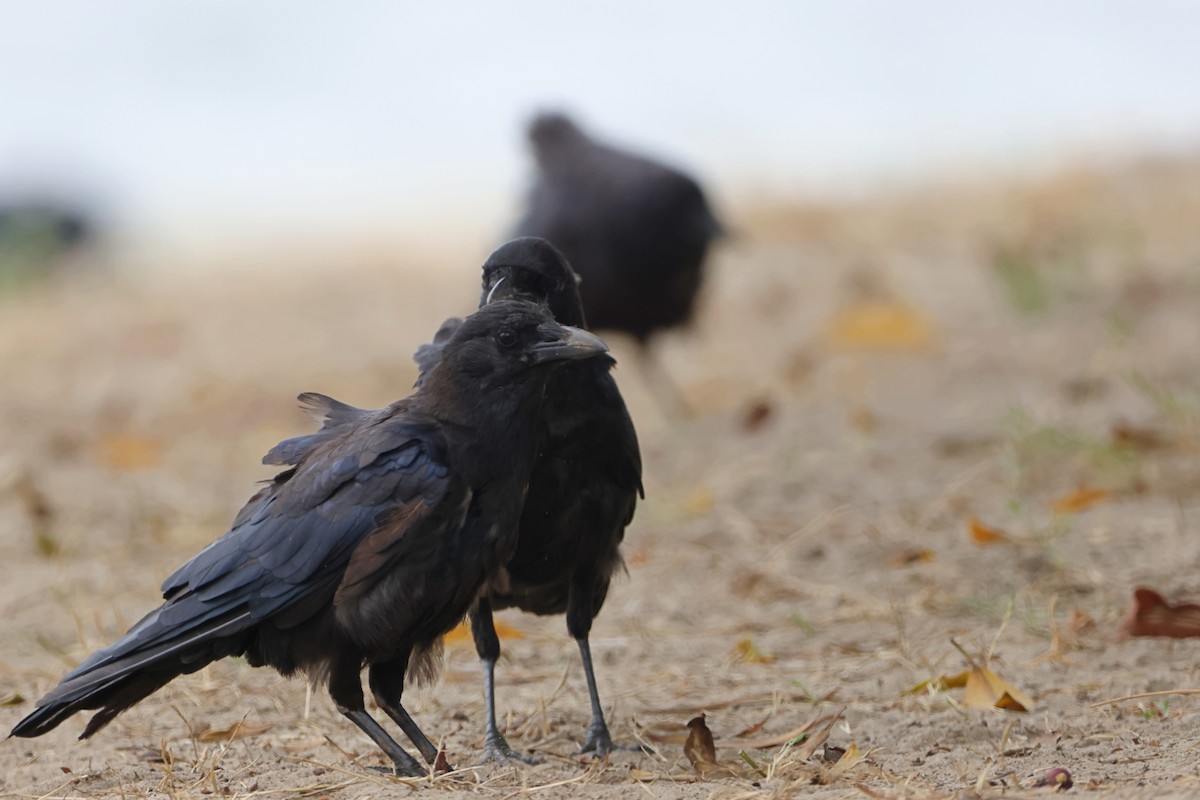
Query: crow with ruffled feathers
{"x": 374, "y": 542}
{"x": 582, "y": 491}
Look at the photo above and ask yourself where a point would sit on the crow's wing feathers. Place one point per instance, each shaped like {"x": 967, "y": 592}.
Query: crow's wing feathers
{"x": 332, "y": 414}
{"x": 298, "y": 534}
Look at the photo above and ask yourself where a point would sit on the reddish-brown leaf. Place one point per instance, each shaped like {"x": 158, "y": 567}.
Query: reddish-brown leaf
{"x": 1080, "y": 500}
{"x": 759, "y": 413}
{"x": 1152, "y": 615}
{"x": 982, "y": 535}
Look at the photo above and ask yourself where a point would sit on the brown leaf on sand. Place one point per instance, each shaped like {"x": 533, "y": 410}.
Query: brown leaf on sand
{"x": 1130, "y": 435}
{"x": 239, "y": 730}
{"x": 1080, "y": 500}
{"x": 982, "y": 535}
{"x": 755, "y": 728}
{"x": 129, "y": 453}
{"x": 702, "y": 752}
{"x": 912, "y": 555}
{"x": 1152, "y": 615}
{"x": 757, "y": 415}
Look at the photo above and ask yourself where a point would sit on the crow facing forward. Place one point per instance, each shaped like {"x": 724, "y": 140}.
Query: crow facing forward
{"x": 582, "y": 491}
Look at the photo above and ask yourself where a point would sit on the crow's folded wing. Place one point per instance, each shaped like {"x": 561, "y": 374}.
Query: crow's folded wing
{"x": 291, "y": 544}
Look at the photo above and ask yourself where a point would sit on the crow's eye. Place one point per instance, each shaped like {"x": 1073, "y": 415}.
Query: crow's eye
{"x": 506, "y": 338}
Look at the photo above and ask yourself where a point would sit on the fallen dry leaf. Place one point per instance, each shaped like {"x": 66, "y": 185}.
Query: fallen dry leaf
{"x": 637, "y": 558}
{"x": 1131, "y": 435}
{"x": 982, "y": 535}
{"x": 1152, "y": 615}
{"x": 462, "y": 632}
{"x": 755, "y": 728}
{"x": 850, "y": 759}
{"x": 129, "y": 453}
{"x": 757, "y": 415}
{"x": 862, "y": 420}
{"x": 239, "y": 730}
{"x": 889, "y": 326}
{"x": 1080, "y": 500}
{"x": 701, "y": 751}
{"x": 747, "y": 652}
{"x": 940, "y": 684}
{"x": 699, "y": 502}
{"x": 12, "y": 699}
{"x": 912, "y": 555}
{"x": 986, "y": 689}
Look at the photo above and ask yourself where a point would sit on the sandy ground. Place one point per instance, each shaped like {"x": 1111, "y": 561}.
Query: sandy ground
{"x": 867, "y": 378}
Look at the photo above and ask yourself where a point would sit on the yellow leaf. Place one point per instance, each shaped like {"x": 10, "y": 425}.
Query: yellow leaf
{"x": 983, "y": 535}
{"x": 699, "y": 502}
{"x": 940, "y": 684}
{"x": 849, "y": 760}
{"x": 462, "y": 633}
{"x": 881, "y": 326}
{"x": 129, "y": 453}
{"x": 1080, "y": 500}
{"x": 239, "y": 730}
{"x": 748, "y": 652}
{"x": 986, "y": 689}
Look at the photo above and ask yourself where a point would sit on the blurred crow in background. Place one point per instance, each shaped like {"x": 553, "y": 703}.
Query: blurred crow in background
{"x": 366, "y": 550}
{"x": 635, "y": 230}
{"x": 582, "y": 492}
{"x": 38, "y": 238}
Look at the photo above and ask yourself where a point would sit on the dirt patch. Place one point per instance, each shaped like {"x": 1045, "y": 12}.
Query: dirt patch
{"x": 869, "y": 378}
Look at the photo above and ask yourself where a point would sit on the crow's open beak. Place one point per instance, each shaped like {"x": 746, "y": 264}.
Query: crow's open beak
{"x": 575, "y": 344}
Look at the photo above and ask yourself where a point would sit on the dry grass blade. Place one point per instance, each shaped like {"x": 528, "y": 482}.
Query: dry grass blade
{"x": 239, "y": 730}
{"x": 1146, "y": 695}
{"x": 757, "y": 699}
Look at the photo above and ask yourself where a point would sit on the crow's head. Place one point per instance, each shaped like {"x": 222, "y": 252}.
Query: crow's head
{"x": 532, "y": 269}
{"x": 508, "y": 342}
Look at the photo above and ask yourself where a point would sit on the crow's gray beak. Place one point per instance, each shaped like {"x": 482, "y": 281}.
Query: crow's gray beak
{"x": 577, "y": 344}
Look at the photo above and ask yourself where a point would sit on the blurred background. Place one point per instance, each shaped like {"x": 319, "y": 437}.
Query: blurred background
{"x": 201, "y": 128}
{"x": 951, "y": 344}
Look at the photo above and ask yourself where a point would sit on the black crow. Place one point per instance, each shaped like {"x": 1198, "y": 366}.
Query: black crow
{"x": 375, "y": 542}
{"x": 582, "y": 492}
{"x": 635, "y": 230}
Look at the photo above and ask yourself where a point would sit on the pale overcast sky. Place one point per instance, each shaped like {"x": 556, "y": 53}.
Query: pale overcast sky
{"x": 294, "y": 112}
